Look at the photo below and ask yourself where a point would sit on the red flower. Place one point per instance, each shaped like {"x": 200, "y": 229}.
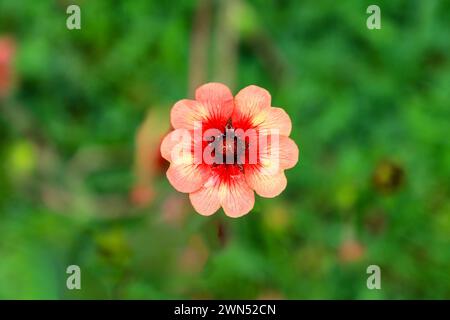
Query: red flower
{"x": 149, "y": 164}
{"x": 351, "y": 250}
{"x": 7, "y": 51}
{"x": 224, "y": 148}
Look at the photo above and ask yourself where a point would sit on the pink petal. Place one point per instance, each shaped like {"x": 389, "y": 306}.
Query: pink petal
{"x": 273, "y": 119}
{"x": 217, "y": 99}
{"x": 278, "y": 156}
{"x": 229, "y": 191}
{"x": 237, "y": 198}
{"x": 206, "y": 201}
{"x": 187, "y": 177}
{"x": 265, "y": 185}
{"x": 288, "y": 153}
{"x": 187, "y": 113}
{"x": 178, "y": 137}
{"x": 249, "y": 102}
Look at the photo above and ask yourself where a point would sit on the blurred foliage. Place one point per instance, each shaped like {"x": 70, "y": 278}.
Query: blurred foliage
{"x": 370, "y": 112}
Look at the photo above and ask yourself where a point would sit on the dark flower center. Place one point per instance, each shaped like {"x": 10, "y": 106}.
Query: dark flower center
{"x": 228, "y": 147}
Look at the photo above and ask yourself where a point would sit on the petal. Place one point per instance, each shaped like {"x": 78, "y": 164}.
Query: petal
{"x": 178, "y": 137}
{"x": 249, "y": 102}
{"x": 237, "y": 198}
{"x": 265, "y": 185}
{"x": 217, "y": 99}
{"x": 288, "y": 153}
{"x": 148, "y": 142}
{"x": 229, "y": 190}
{"x": 187, "y": 177}
{"x": 273, "y": 119}
{"x": 277, "y": 153}
{"x": 188, "y": 114}
{"x": 206, "y": 200}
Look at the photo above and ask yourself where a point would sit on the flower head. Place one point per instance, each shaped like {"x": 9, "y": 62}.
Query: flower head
{"x": 149, "y": 164}
{"x": 351, "y": 250}
{"x": 223, "y": 149}
{"x": 7, "y": 51}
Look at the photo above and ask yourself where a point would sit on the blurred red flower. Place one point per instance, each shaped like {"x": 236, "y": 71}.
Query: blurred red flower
{"x": 148, "y": 161}
{"x": 7, "y": 53}
{"x": 351, "y": 250}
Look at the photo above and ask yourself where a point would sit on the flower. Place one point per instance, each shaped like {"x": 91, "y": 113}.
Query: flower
{"x": 223, "y": 149}
{"x": 7, "y": 51}
{"x": 148, "y": 162}
{"x": 351, "y": 250}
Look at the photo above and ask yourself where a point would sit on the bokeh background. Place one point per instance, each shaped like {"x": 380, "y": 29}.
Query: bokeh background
{"x": 83, "y": 113}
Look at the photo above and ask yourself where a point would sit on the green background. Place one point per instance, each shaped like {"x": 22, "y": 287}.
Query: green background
{"x": 370, "y": 113}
